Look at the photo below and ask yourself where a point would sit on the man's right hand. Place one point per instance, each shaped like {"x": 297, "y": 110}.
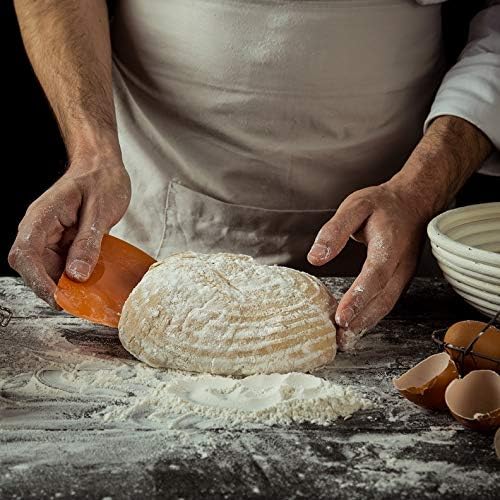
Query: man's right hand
{"x": 69, "y": 46}
{"x": 63, "y": 229}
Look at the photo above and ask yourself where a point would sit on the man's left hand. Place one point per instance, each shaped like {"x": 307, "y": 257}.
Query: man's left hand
{"x": 392, "y": 227}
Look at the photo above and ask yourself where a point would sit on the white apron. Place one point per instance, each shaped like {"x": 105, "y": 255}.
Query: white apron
{"x": 245, "y": 123}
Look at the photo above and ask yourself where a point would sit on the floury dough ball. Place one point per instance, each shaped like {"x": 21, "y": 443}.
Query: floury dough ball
{"x": 226, "y": 314}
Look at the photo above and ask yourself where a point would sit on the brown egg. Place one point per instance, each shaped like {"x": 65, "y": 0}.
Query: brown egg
{"x": 475, "y": 400}
{"x": 497, "y": 442}
{"x": 461, "y": 334}
{"x": 425, "y": 383}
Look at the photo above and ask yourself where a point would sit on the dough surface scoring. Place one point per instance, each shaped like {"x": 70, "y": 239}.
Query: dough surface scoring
{"x": 226, "y": 314}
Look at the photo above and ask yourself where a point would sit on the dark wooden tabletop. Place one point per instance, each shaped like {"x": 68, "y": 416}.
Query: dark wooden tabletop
{"x": 50, "y": 448}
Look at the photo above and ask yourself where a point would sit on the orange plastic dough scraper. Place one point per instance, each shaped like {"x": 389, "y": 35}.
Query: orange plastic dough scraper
{"x": 100, "y": 299}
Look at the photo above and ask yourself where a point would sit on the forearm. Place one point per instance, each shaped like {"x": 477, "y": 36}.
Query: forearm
{"x": 451, "y": 150}
{"x": 68, "y": 44}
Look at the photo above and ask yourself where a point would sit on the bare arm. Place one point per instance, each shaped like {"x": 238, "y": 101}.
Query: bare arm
{"x": 451, "y": 150}
{"x": 391, "y": 219}
{"x": 68, "y": 44}
{"x": 69, "y": 47}
{"x": 462, "y": 129}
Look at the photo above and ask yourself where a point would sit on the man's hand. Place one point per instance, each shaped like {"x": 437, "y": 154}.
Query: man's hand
{"x": 391, "y": 219}
{"x": 63, "y": 229}
{"x": 69, "y": 46}
{"x": 392, "y": 228}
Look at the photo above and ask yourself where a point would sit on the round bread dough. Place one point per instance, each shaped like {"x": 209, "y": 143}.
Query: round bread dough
{"x": 226, "y": 314}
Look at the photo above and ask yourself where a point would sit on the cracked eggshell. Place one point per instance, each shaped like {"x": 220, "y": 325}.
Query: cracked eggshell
{"x": 461, "y": 334}
{"x": 475, "y": 400}
{"x": 426, "y": 382}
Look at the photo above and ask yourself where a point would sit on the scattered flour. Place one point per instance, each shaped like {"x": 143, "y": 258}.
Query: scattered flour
{"x": 71, "y": 396}
{"x": 139, "y": 393}
{"x": 88, "y": 368}
{"x": 350, "y": 339}
{"x": 64, "y": 384}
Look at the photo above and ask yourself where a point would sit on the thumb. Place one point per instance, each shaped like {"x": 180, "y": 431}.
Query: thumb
{"x": 84, "y": 251}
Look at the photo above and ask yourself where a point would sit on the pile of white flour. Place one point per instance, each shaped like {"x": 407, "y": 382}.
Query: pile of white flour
{"x": 137, "y": 392}
{"x": 269, "y": 399}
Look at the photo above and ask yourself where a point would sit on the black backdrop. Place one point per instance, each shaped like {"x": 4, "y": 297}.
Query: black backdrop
{"x": 33, "y": 155}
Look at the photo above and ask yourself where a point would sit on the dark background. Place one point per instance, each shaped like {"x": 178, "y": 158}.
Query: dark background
{"x": 33, "y": 154}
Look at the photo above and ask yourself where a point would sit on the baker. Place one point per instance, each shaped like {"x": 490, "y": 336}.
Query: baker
{"x": 279, "y": 129}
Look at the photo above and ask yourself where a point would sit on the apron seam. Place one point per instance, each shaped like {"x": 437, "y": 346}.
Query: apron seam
{"x": 312, "y": 95}
{"x": 164, "y": 230}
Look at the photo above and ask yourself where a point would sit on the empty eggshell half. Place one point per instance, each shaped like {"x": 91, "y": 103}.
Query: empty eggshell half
{"x": 475, "y": 400}
{"x": 425, "y": 384}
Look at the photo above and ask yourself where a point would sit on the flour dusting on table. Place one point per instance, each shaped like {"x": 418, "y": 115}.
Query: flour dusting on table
{"x": 60, "y": 364}
{"x": 129, "y": 390}
{"x": 77, "y": 416}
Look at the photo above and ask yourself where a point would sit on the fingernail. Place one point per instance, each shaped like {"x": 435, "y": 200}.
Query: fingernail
{"x": 345, "y": 317}
{"x": 79, "y": 269}
{"x": 319, "y": 251}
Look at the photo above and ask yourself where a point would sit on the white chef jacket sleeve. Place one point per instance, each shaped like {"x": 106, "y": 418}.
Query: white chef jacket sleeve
{"x": 471, "y": 88}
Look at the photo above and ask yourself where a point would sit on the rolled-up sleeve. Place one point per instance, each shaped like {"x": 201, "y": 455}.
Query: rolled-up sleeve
{"x": 471, "y": 88}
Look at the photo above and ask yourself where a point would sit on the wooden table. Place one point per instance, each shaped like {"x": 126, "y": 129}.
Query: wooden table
{"x": 52, "y": 448}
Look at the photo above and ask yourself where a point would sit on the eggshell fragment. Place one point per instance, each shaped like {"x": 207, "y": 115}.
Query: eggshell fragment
{"x": 497, "y": 442}
{"x": 475, "y": 400}
{"x": 461, "y": 334}
{"x": 425, "y": 383}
